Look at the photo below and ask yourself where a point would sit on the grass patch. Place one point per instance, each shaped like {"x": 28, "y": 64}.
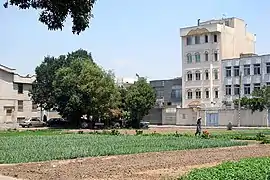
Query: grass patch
{"x": 255, "y": 168}
{"x": 17, "y": 149}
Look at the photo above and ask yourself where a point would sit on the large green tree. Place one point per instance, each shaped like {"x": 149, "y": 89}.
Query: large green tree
{"x": 42, "y": 91}
{"x": 55, "y": 12}
{"x": 140, "y": 98}
{"x": 259, "y": 101}
{"x": 83, "y": 88}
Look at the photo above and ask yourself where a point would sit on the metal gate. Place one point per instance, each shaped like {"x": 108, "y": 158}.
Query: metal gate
{"x": 212, "y": 119}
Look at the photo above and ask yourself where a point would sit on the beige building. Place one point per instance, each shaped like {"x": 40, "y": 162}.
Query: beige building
{"x": 15, "y": 103}
{"x": 203, "y": 47}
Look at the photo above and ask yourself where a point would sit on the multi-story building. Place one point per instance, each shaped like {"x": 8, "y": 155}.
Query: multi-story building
{"x": 125, "y": 82}
{"x": 168, "y": 92}
{"x": 243, "y": 75}
{"x": 203, "y": 47}
{"x": 15, "y": 103}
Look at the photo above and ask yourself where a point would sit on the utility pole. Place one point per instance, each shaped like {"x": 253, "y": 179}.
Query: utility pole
{"x": 239, "y": 99}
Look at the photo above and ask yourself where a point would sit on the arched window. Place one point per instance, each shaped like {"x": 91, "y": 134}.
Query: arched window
{"x": 215, "y": 56}
{"x": 206, "y": 75}
{"x": 216, "y": 93}
{"x": 216, "y": 74}
{"x": 189, "y": 94}
{"x": 198, "y": 75}
{"x": 207, "y": 93}
{"x": 197, "y": 57}
{"x": 189, "y": 58}
{"x": 198, "y": 94}
{"x": 206, "y": 57}
{"x": 189, "y": 76}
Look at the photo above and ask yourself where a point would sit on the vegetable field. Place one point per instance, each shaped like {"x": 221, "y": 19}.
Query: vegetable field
{"x": 256, "y": 168}
{"x": 31, "y": 148}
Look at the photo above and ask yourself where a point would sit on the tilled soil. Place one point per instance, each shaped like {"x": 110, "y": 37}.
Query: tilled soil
{"x": 161, "y": 165}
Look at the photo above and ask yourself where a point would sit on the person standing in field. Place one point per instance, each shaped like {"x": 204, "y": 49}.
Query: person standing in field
{"x": 199, "y": 126}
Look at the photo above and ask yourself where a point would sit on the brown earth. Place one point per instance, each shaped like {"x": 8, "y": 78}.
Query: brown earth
{"x": 161, "y": 165}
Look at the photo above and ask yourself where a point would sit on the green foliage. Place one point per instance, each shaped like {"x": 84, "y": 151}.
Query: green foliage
{"x": 55, "y": 12}
{"x": 84, "y": 88}
{"x": 139, "y": 132}
{"x": 260, "y": 100}
{"x": 42, "y": 92}
{"x": 140, "y": 99}
{"x": 30, "y": 148}
{"x": 254, "y": 168}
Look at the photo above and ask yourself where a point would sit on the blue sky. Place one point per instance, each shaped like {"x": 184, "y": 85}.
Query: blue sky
{"x": 125, "y": 36}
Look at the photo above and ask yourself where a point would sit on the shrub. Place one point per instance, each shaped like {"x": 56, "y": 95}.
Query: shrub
{"x": 206, "y": 135}
{"x": 139, "y": 132}
{"x": 229, "y": 126}
{"x": 115, "y": 132}
{"x": 260, "y": 136}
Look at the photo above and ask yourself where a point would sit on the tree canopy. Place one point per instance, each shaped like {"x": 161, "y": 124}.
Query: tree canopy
{"x": 140, "y": 98}
{"x": 75, "y": 86}
{"x": 42, "y": 91}
{"x": 55, "y": 12}
{"x": 259, "y": 101}
{"x": 84, "y": 88}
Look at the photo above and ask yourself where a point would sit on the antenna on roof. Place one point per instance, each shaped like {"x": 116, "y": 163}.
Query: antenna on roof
{"x": 224, "y": 16}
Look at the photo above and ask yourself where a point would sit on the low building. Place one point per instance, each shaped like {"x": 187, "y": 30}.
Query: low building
{"x": 168, "y": 92}
{"x": 241, "y": 76}
{"x": 15, "y": 103}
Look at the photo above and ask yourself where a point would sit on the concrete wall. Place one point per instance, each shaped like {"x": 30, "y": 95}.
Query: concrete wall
{"x": 187, "y": 117}
{"x": 154, "y": 116}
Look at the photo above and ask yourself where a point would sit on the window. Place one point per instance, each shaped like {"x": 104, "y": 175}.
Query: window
{"x": 189, "y": 40}
{"x": 176, "y": 92}
{"x": 216, "y": 74}
{"x": 206, "y": 56}
{"x": 206, "y": 38}
{"x": 247, "y": 70}
{"x": 236, "y": 71}
{"x": 206, "y": 93}
{"x": 159, "y": 94}
{"x": 20, "y": 88}
{"x": 215, "y": 56}
{"x": 228, "y": 72}
{"x": 189, "y": 76}
{"x": 189, "y": 58}
{"x": 189, "y": 94}
{"x": 257, "y": 86}
{"x": 268, "y": 84}
{"x": 20, "y": 106}
{"x": 198, "y": 94}
{"x": 8, "y": 112}
{"x": 197, "y": 57}
{"x": 197, "y": 39}
{"x": 246, "y": 88}
{"x": 216, "y": 93}
{"x": 206, "y": 75}
{"x": 257, "y": 69}
{"x": 267, "y": 68}
{"x": 236, "y": 89}
{"x": 198, "y": 75}
{"x": 227, "y": 23}
{"x": 215, "y": 38}
{"x": 34, "y": 107}
{"x": 228, "y": 90}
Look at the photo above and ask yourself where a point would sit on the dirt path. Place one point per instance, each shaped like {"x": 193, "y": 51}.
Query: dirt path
{"x": 162, "y": 165}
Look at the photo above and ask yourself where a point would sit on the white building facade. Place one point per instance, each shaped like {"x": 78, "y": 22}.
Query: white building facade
{"x": 203, "y": 48}
{"x": 241, "y": 76}
{"x": 15, "y": 103}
